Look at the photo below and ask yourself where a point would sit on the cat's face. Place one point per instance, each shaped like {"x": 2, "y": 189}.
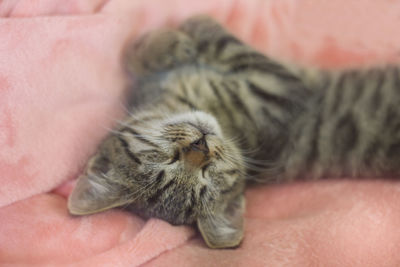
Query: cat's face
{"x": 178, "y": 168}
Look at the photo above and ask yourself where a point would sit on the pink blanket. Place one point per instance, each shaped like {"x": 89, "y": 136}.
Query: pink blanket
{"x": 62, "y": 87}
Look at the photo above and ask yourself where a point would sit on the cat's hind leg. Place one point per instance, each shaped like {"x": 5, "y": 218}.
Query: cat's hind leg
{"x": 158, "y": 51}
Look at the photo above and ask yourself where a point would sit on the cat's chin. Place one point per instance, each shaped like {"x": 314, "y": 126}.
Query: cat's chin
{"x": 203, "y": 121}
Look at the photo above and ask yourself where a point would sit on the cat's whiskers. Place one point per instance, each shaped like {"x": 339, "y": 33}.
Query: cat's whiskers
{"x": 247, "y": 165}
{"x": 116, "y": 132}
{"x": 239, "y": 140}
{"x": 149, "y": 127}
{"x": 124, "y": 107}
{"x": 234, "y": 139}
{"x": 133, "y": 195}
{"x": 230, "y": 159}
{"x": 258, "y": 166}
{"x": 249, "y": 162}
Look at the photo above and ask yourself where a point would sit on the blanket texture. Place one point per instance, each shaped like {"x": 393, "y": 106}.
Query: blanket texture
{"x": 62, "y": 87}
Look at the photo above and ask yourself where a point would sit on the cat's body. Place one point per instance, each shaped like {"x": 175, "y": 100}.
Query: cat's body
{"x": 210, "y": 113}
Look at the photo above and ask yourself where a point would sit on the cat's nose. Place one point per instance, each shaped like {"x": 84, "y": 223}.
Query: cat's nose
{"x": 200, "y": 146}
{"x": 196, "y": 153}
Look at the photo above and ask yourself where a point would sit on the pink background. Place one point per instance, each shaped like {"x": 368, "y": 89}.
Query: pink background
{"x": 62, "y": 87}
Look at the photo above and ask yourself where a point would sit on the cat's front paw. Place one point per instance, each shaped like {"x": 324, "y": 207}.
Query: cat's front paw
{"x": 158, "y": 51}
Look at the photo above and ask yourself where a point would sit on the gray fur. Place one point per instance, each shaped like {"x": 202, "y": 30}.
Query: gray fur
{"x": 211, "y": 113}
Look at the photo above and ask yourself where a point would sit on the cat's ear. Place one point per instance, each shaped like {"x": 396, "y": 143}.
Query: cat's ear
{"x": 224, "y": 230}
{"x": 93, "y": 194}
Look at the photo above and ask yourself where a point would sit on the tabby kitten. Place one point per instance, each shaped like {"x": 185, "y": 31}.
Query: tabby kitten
{"x": 211, "y": 113}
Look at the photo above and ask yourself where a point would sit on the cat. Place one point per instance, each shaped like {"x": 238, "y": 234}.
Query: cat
{"x": 211, "y": 114}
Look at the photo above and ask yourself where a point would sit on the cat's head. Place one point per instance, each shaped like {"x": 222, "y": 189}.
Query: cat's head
{"x": 179, "y": 168}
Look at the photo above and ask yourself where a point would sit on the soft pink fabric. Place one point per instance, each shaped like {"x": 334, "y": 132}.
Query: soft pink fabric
{"x": 62, "y": 87}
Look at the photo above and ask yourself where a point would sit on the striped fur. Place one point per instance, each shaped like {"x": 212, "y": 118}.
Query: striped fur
{"x": 211, "y": 113}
